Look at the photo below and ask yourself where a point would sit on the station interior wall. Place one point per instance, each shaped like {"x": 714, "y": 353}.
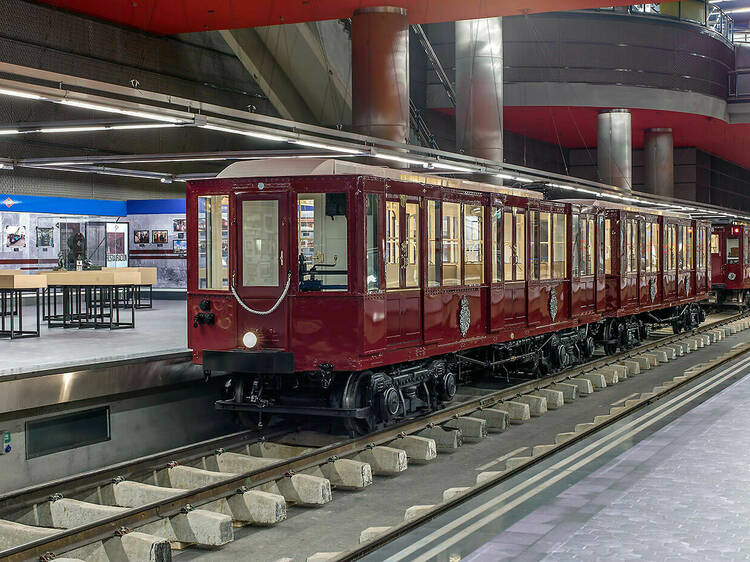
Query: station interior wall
{"x": 22, "y": 247}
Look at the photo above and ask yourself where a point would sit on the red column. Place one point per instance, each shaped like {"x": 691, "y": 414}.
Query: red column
{"x": 380, "y": 73}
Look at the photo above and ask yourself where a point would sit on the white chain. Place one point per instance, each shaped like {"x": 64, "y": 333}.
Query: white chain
{"x": 270, "y": 310}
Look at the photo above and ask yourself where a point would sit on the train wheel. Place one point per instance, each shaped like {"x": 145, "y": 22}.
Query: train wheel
{"x": 610, "y": 348}
{"x": 238, "y": 395}
{"x": 355, "y": 396}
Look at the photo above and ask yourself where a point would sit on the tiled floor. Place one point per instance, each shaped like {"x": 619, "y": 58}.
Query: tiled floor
{"x": 681, "y": 494}
{"x": 158, "y": 330}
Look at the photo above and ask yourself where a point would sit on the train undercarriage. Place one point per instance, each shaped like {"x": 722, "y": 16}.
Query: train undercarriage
{"x": 368, "y": 400}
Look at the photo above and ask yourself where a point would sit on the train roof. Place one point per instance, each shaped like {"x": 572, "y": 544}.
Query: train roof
{"x": 612, "y": 205}
{"x": 277, "y": 167}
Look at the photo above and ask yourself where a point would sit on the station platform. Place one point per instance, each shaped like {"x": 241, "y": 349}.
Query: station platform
{"x": 669, "y": 482}
{"x": 159, "y": 330}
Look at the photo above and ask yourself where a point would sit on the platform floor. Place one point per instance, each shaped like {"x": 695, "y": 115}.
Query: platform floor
{"x": 161, "y": 329}
{"x": 679, "y": 490}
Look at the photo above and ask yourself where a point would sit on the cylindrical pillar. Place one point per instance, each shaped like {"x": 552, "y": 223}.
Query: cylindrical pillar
{"x": 614, "y": 148}
{"x": 380, "y": 73}
{"x": 658, "y": 157}
{"x": 479, "y": 88}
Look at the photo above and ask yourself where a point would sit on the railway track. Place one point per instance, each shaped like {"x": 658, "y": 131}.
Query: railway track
{"x": 197, "y": 494}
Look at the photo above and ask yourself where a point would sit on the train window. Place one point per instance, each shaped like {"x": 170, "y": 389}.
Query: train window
{"x": 545, "y": 247}
{"x": 433, "y": 243}
{"x": 589, "y": 248}
{"x": 322, "y": 242}
{"x": 372, "y": 239}
{"x": 647, "y": 243}
{"x": 559, "y": 246}
{"x": 642, "y": 245}
{"x": 496, "y": 219}
{"x": 412, "y": 245}
{"x": 628, "y": 256}
{"x": 733, "y": 250}
{"x": 607, "y": 235}
{"x": 392, "y": 245}
{"x": 473, "y": 244}
{"x": 690, "y": 247}
{"x": 576, "y": 249}
{"x": 654, "y": 248}
{"x": 534, "y": 244}
{"x": 451, "y": 263}
{"x": 508, "y": 251}
{"x": 519, "y": 249}
{"x": 745, "y": 253}
{"x": 714, "y": 243}
{"x": 260, "y": 243}
{"x": 213, "y": 242}
{"x": 600, "y": 240}
{"x": 681, "y": 262}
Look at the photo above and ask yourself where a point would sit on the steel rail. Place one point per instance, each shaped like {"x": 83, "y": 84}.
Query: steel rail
{"x": 406, "y": 526}
{"x": 105, "y": 528}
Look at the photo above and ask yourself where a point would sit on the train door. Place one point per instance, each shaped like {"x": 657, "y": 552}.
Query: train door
{"x": 402, "y": 270}
{"x": 547, "y": 286}
{"x": 717, "y": 255}
{"x": 262, "y": 269}
{"x": 669, "y": 261}
{"x": 649, "y": 266}
{"x": 583, "y": 274}
{"x": 629, "y": 262}
{"x": 514, "y": 265}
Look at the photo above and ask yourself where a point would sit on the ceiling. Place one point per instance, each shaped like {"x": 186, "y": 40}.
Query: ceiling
{"x": 575, "y": 127}
{"x": 182, "y": 16}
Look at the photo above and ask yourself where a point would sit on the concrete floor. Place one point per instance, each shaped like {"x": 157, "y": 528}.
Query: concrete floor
{"x": 160, "y": 329}
{"x": 336, "y": 526}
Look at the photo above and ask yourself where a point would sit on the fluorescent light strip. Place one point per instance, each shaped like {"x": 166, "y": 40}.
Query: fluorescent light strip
{"x": 9, "y": 131}
{"x": 144, "y": 126}
{"x": 312, "y": 144}
{"x": 128, "y": 112}
{"x": 523, "y": 180}
{"x": 20, "y": 94}
{"x": 69, "y": 129}
{"x": 399, "y": 159}
{"x": 450, "y": 167}
{"x": 243, "y": 132}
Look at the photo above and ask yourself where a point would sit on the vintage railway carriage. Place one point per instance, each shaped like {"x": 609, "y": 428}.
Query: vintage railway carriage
{"x": 730, "y": 264}
{"x": 332, "y": 288}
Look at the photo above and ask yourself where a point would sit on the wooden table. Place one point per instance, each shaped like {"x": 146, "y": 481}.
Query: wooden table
{"x": 91, "y": 299}
{"x": 148, "y": 280}
{"x": 12, "y": 288}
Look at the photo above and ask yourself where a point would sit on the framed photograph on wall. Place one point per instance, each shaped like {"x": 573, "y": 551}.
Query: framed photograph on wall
{"x": 179, "y": 246}
{"x": 159, "y": 236}
{"x": 45, "y": 237}
{"x": 141, "y": 237}
{"x": 15, "y": 236}
{"x": 179, "y": 225}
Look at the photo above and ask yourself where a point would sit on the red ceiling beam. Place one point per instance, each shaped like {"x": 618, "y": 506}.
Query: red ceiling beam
{"x": 182, "y": 16}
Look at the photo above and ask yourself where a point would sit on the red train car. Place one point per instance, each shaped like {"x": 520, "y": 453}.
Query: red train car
{"x": 730, "y": 264}
{"x": 332, "y": 288}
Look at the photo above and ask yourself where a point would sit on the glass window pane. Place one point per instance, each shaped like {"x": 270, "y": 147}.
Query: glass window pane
{"x": 560, "y": 249}
{"x": 372, "y": 240}
{"x": 412, "y": 245}
{"x": 642, "y": 245}
{"x": 608, "y": 246}
{"x": 473, "y": 244}
{"x": 534, "y": 244}
{"x": 733, "y": 250}
{"x": 520, "y": 247}
{"x": 714, "y": 243}
{"x": 433, "y": 243}
{"x": 508, "y": 250}
{"x": 496, "y": 220}
{"x": 260, "y": 243}
{"x": 577, "y": 246}
{"x": 545, "y": 261}
{"x": 213, "y": 242}
{"x": 322, "y": 242}
{"x": 654, "y": 247}
{"x": 590, "y": 247}
{"x": 451, "y": 244}
{"x": 600, "y": 238}
{"x": 392, "y": 245}
{"x": 626, "y": 244}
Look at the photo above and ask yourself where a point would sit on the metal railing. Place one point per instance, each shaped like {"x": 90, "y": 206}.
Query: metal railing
{"x": 699, "y": 12}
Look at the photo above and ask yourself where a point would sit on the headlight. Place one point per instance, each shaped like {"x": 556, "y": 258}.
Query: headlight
{"x": 249, "y": 340}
